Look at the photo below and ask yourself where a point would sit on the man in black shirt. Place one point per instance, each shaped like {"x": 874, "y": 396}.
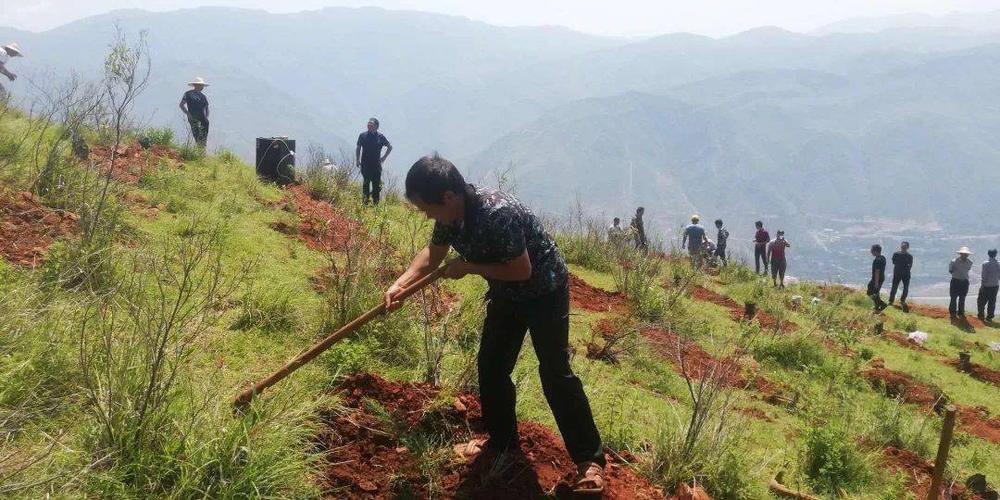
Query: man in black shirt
{"x": 639, "y": 229}
{"x": 194, "y": 104}
{"x": 499, "y": 239}
{"x": 902, "y": 262}
{"x": 878, "y": 277}
{"x": 369, "y": 158}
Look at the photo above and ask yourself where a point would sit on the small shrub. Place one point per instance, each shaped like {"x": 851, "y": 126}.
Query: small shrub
{"x": 794, "y": 352}
{"x": 157, "y": 136}
{"x": 892, "y": 425}
{"x": 190, "y": 152}
{"x": 832, "y": 459}
{"x": 907, "y": 325}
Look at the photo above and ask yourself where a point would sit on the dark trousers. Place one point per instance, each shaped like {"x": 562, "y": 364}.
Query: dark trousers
{"x": 371, "y": 183}
{"x": 896, "y": 280}
{"x": 760, "y": 255}
{"x": 987, "y": 301}
{"x": 199, "y": 129}
{"x": 875, "y": 292}
{"x": 958, "y": 289}
{"x": 720, "y": 252}
{"x": 547, "y": 318}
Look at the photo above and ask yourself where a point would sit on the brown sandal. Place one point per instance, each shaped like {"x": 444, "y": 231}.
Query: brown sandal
{"x": 590, "y": 479}
{"x": 470, "y": 450}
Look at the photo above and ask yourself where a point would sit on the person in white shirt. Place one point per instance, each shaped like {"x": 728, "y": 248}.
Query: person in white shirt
{"x": 6, "y": 52}
{"x": 959, "y": 287}
{"x": 987, "y": 301}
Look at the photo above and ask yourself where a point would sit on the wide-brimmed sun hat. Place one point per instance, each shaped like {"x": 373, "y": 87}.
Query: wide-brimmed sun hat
{"x": 198, "y": 81}
{"x": 695, "y": 217}
{"x": 14, "y": 48}
{"x": 964, "y": 250}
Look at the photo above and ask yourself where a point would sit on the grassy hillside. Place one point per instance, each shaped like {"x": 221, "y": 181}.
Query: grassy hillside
{"x": 126, "y": 331}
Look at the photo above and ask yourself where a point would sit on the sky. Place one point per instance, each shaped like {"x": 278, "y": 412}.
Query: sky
{"x": 618, "y": 17}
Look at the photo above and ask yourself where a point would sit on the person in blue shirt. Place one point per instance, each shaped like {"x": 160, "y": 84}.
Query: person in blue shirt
{"x": 694, "y": 237}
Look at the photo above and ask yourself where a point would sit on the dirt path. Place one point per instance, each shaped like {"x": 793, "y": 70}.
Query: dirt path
{"x": 368, "y": 458}
{"x": 942, "y": 313}
{"x": 28, "y": 228}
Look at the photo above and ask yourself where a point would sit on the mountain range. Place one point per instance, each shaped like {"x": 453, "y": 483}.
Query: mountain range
{"x": 892, "y": 119}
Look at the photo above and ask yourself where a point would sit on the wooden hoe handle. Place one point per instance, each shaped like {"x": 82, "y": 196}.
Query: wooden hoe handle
{"x": 247, "y": 395}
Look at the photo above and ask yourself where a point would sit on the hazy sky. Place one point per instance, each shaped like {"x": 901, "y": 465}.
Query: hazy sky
{"x": 614, "y": 17}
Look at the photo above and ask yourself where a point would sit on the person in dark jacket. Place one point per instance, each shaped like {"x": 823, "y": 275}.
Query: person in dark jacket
{"x": 902, "y": 263}
{"x": 194, "y": 104}
{"x": 499, "y": 239}
{"x": 877, "y": 278}
{"x": 760, "y": 241}
{"x": 369, "y": 158}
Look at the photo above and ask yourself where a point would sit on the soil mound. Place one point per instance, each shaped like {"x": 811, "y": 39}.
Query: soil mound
{"x": 979, "y": 372}
{"x": 942, "y": 313}
{"x": 367, "y": 454}
{"x": 900, "y": 339}
{"x": 737, "y": 312}
{"x": 918, "y": 473}
{"x": 27, "y": 228}
{"x": 321, "y": 226}
{"x": 704, "y": 294}
{"x": 594, "y": 299}
{"x": 131, "y": 162}
{"x": 689, "y": 358}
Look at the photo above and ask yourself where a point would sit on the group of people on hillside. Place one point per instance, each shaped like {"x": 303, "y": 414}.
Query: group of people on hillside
{"x": 368, "y": 155}
{"x": 958, "y": 288}
{"x": 767, "y": 252}
{"x": 636, "y": 231}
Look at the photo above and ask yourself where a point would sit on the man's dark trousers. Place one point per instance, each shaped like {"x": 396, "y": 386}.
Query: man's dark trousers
{"x": 898, "y": 278}
{"x": 371, "y": 182}
{"x": 760, "y": 255}
{"x": 987, "y": 301}
{"x": 199, "y": 129}
{"x": 875, "y": 292}
{"x": 547, "y": 318}
{"x": 958, "y": 289}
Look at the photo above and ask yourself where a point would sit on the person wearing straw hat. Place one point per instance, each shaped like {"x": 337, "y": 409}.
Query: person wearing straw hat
{"x": 194, "y": 104}
{"x": 6, "y": 52}
{"x": 959, "y": 286}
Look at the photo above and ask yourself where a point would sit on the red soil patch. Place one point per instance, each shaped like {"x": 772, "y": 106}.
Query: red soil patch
{"x": 27, "y": 228}
{"x": 979, "y": 372}
{"x": 975, "y": 421}
{"x": 594, "y": 299}
{"x": 689, "y": 358}
{"x": 918, "y": 472}
{"x": 738, "y": 313}
{"x": 131, "y": 162}
{"x": 942, "y": 313}
{"x": 321, "y": 226}
{"x": 366, "y": 458}
{"x": 755, "y": 413}
{"x": 900, "y": 338}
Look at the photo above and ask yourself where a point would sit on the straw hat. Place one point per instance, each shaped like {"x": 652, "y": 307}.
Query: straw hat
{"x": 964, "y": 250}
{"x": 14, "y": 49}
{"x": 695, "y": 217}
{"x": 198, "y": 81}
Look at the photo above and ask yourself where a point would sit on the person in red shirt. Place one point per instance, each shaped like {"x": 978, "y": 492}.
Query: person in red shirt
{"x": 760, "y": 239}
{"x": 776, "y": 256}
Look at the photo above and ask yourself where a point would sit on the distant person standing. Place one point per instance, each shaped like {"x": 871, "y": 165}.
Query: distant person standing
{"x": 959, "y": 287}
{"x": 760, "y": 240}
{"x": 639, "y": 229}
{"x": 776, "y": 257}
{"x": 721, "y": 237}
{"x": 6, "y": 52}
{"x": 987, "y": 301}
{"x": 877, "y": 279}
{"x": 369, "y": 158}
{"x": 902, "y": 263}
{"x": 194, "y": 104}
{"x": 616, "y": 233}
{"x": 694, "y": 237}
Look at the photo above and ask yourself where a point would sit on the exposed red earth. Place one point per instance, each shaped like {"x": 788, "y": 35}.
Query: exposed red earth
{"x": 917, "y": 472}
{"x": 366, "y": 457}
{"x": 895, "y": 384}
{"x": 900, "y": 339}
{"x": 594, "y": 299}
{"x": 131, "y": 162}
{"x": 28, "y": 228}
{"x": 737, "y": 311}
{"x": 689, "y": 358}
{"x": 979, "y": 372}
{"x": 321, "y": 225}
{"x": 942, "y": 313}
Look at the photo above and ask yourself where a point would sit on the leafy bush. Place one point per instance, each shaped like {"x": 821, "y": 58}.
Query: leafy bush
{"x": 907, "y": 325}
{"x": 832, "y": 460}
{"x": 157, "y": 136}
{"x": 794, "y": 352}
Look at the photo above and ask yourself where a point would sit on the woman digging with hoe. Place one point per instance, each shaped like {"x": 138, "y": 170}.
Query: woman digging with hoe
{"x": 502, "y": 241}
